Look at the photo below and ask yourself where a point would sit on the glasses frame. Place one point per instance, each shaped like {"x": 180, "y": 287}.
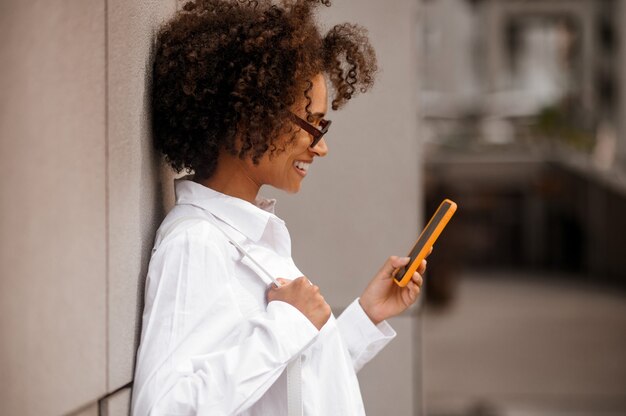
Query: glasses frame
{"x": 311, "y": 129}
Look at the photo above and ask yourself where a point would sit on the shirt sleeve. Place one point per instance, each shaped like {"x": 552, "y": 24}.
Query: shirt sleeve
{"x": 199, "y": 354}
{"x": 363, "y": 339}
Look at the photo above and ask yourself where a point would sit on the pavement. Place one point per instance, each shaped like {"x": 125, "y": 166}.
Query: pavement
{"x": 524, "y": 344}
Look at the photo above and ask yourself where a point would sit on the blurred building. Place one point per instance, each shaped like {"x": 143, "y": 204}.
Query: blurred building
{"x": 524, "y": 125}
{"x": 523, "y": 105}
{"x": 503, "y": 60}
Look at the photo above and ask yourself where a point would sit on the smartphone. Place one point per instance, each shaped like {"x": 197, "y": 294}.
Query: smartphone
{"x": 425, "y": 241}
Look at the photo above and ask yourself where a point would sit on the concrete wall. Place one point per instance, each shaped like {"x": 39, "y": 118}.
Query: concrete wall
{"x": 134, "y": 201}
{"x": 80, "y": 201}
{"x": 53, "y": 209}
{"x": 84, "y": 192}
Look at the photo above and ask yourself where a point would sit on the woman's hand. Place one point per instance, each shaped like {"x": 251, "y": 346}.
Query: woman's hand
{"x": 383, "y": 298}
{"x": 304, "y": 296}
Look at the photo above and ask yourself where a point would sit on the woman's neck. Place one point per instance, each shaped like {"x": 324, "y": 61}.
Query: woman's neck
{"x": 231, "y": 177}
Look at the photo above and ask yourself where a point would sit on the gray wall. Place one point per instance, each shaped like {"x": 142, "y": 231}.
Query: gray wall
{"x": 83, "y": 193}
{"x": 53, "y": 206}
{"x": 80, "y": 200}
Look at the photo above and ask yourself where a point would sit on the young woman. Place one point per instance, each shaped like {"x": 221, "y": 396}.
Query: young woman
{"x": 240, "y": 100}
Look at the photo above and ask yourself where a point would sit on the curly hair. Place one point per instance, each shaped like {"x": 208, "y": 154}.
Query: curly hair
{"x": 227, "y": 72}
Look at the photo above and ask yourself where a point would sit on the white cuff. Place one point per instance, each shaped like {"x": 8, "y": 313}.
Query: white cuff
{"x": 363, "y": 339}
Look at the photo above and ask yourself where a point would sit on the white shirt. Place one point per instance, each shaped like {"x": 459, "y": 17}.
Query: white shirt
{"x": 212, "y": 345}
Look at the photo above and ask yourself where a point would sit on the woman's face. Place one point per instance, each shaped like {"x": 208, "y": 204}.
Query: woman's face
{"x": 286, "y": 170}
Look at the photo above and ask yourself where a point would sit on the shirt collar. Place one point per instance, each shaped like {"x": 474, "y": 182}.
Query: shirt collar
{"x": 250, "y": 219}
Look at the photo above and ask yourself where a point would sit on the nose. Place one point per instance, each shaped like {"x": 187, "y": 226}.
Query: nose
{"x": 320, "y": 148}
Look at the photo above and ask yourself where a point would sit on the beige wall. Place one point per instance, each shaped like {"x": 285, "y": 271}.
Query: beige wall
{"x": 134, "y": 201}
{"x": 53, "y": 206}
{"x": 83, "y": 193}
{"x": 80, "y": 199}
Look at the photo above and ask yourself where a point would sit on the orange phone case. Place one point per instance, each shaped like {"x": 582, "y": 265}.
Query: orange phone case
{"x": 425, "y": 241}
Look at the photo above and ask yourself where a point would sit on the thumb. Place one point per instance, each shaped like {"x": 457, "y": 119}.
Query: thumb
{"x": 392, "y": 263}
{"x": 283, "y": 281}
{"x": 273, "y": 288}
{"x": 400, "y": 261}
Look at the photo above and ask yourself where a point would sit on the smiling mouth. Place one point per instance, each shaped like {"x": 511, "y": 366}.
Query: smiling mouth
{"x": 301, "y": 167}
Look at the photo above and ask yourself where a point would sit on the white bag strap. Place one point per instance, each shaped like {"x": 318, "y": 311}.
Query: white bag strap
{"x": 294, "y": 387}
{"x": 294, "y": 368}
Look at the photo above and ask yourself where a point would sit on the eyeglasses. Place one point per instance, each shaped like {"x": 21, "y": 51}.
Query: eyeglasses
{"x": 311, "y": 129}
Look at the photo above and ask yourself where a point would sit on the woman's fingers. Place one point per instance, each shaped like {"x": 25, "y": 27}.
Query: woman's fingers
{"x": 304, "y": 296}
{"x": 397, "y": 262}
{"x": 391, "y": 264}
{"x": 414, "y": 290}
{"x": 422, "y": 268}
{"x": 417, "y": 279}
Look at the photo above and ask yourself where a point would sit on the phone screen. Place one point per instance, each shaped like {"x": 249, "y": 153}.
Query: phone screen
{"x": 426, "y": 234}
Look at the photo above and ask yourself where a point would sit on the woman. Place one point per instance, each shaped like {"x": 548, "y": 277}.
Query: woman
{"x": 240, "y": 99}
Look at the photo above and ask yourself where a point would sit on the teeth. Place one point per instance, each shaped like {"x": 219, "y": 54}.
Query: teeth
{"x": 302, "y": 165}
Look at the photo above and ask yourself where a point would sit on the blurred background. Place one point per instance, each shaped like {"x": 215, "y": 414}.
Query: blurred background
{"x": 515, "y": 109}
{"x": 523, "y": 110}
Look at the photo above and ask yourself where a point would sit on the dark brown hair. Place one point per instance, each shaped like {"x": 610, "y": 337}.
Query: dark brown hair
{"x": 227, "y": 72}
